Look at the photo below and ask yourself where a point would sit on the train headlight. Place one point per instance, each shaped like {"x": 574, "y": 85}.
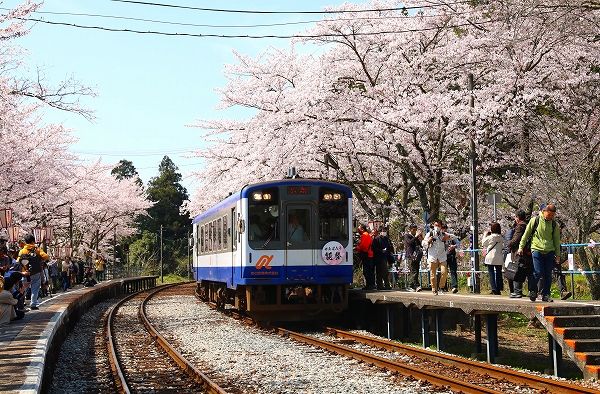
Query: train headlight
{"x": 260, "y": 196}
{"x": 327, "y": 196}
{"x": 337, "y": 196}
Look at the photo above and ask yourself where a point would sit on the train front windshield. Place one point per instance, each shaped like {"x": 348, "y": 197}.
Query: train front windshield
{"x": 333, "y": 215}
{"x": 286, "y": 216}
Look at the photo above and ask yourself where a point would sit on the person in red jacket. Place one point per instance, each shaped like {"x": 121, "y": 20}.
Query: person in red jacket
{"x": 366, "y": 257}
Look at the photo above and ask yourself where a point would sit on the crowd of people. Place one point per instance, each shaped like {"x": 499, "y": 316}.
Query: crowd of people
{"x": 29, "y": 274}
{"x": 534, "y": 243}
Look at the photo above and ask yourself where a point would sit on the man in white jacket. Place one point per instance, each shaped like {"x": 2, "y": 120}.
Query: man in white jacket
{"x": 434, "y": 243}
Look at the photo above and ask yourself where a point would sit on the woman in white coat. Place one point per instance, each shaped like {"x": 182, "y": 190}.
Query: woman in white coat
{"x": 493, "y": 242}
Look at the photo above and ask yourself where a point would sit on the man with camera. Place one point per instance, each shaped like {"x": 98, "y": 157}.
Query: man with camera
{"x": 434, "y": 241}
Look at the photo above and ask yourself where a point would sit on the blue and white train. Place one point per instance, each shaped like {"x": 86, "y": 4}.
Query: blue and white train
{"x": 279, "y": 250}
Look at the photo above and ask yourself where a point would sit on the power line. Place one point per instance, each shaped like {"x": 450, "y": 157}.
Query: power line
{"x": 387, "y": 17}
{"x": 175, "y": 23}
{"x": 333, "y": 35}
{"x": 287, "y": 12}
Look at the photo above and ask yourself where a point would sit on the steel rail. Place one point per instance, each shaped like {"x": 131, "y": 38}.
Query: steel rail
{"x": 122, "y": 382}
{"x": 516, "y": 377}
{"x": 192, "y": 371}
{"x": 433, "y": 378}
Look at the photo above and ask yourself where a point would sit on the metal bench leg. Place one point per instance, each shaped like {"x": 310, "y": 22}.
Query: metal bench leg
{"x": 492, "y": 337}
{"x": 425, "y": 328}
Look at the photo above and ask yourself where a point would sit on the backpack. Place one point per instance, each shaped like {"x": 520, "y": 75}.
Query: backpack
{"x": 32, "y": 261}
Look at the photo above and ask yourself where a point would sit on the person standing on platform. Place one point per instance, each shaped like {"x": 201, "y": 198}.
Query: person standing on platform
{"x": 545, "y": 249}
{"x": 561, "y": 281}
{"x": 513, "y": 246}
{"x": 31, "y": 257}
{"x": 434, "y": 242}
{"x": 493, "y": 242}
{"x": 451, "y": 246}
{"x": 99, "y": 268}
{"x": 53, "y": 270}
{"x": 391, "y": 251}
{"x": 66, "y": 273}
{"x": 366, "y": 257}
{"x": 380, "y": 261}
{"x": 413, "y": 254}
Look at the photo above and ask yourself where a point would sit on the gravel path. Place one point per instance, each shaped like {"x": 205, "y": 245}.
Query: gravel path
{"x": 83, "y": 365}
{"x": 263, "y": 363}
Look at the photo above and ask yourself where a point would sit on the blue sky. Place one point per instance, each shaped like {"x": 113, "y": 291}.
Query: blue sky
{"x": 150, "y": 86}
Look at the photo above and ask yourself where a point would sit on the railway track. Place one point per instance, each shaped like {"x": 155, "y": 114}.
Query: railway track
{"x": 142, "y": 360}
{"x": 494, "y": 375}
{"x": 454, "y": 373}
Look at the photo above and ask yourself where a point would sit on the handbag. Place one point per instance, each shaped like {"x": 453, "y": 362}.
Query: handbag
{"x": 517, "y": 271}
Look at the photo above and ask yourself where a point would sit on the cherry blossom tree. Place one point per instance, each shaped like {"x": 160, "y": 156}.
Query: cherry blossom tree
{"x": 41, "y": 181}
{"x": 385, "y": 108}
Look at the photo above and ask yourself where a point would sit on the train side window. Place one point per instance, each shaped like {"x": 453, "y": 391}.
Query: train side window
{"x": 201, "y": 239}
{"x": 213, "y": 225}
{"x": 219, "y": 236}
{"x": 225, "y": 225}
{"x": 205, "y": 237}
{"x": 210, "y": 236}
{"x": 234, "y": 236}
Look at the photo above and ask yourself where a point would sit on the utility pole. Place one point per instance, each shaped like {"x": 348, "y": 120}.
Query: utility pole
{"x": 162, "y": 279}
{"x": 473, "y": 165}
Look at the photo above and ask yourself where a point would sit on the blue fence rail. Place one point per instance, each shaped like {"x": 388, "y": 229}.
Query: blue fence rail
{"x": 477, "y": 275}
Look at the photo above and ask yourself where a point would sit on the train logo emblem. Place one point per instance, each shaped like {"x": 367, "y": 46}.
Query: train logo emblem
{"x": 333, "y": 253}
{"x": 264, "y": 261}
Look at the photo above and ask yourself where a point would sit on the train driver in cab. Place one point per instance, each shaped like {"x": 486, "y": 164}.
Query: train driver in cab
{"x": 295, "y": 231}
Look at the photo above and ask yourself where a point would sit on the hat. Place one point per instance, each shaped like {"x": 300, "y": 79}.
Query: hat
{"x": 9, "y": 282}
{"x": 542, "y": 206}
{"x": 16, "y": 275}
{"x": 412, "y": 225}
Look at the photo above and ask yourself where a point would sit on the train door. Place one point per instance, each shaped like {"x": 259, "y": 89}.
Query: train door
{"x": 300, "y": 241}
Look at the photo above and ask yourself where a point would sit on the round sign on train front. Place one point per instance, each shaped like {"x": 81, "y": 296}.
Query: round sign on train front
{"x": 333, "y": 253}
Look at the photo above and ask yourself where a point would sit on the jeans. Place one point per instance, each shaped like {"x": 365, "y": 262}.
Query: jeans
{"x": 496, "y": 279}
{"x": 543, "y": 264}
{"x": 36, "y": 283}
{"x": 453, "y": 268}
{"x": 66, "y": 280}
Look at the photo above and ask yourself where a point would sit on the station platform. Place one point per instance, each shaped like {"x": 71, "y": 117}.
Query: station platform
{"x": 28, "y": 344}
{"x": 572, "y": 324}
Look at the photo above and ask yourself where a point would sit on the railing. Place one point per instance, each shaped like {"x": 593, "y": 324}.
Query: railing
{"x": 473, "y": 275}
